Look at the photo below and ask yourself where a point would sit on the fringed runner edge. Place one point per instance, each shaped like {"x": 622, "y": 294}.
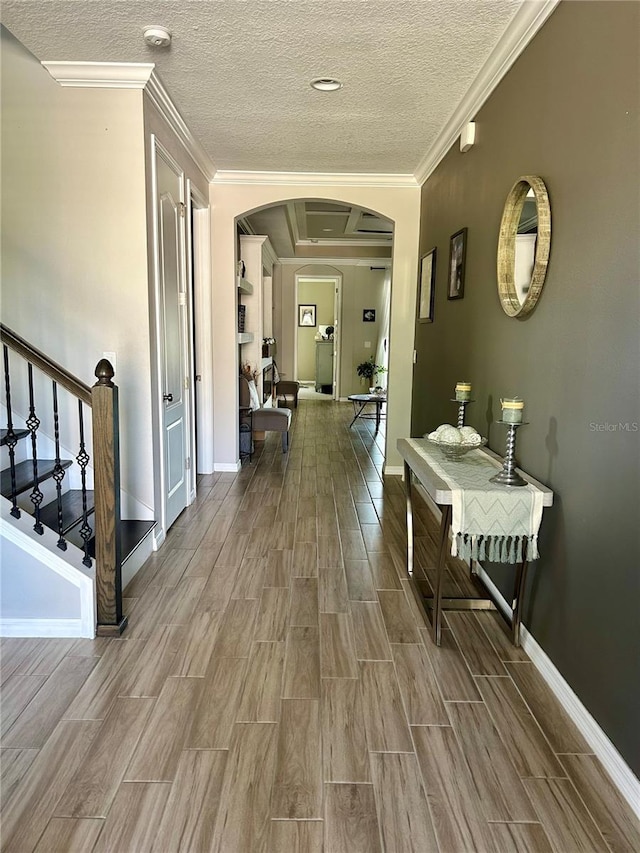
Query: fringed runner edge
{"x": 495, "y": 549}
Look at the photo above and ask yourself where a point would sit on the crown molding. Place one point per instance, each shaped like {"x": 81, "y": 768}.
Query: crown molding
{"x": 264, "y": 241}
{"x": 161, "y": 100}
{"x": 133, "y": 75}
{"x": 101, "y": 75}
{"x": 336, "y": 262}
{"x": 327, "y": 241}
{"x": 524, "y": 25}
{"x": 342, "y": 179}
{"x": 249, "y": 230}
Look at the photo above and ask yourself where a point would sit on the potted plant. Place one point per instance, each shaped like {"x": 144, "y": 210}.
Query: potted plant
{"x": 267, "y": 343}
{"x": 370, "y": 370}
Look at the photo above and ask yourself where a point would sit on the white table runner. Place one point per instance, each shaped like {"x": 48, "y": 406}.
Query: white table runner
{"x": 489, "y": 521}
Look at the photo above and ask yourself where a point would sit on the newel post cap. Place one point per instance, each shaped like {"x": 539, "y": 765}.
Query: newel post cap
{"x": 104, "y": 372}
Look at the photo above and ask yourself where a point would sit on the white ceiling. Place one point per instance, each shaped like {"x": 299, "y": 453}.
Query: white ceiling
{"x": 239, "y": 72}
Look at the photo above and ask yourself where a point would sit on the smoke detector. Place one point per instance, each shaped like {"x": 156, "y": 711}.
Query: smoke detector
{"x": 157, "y": 36}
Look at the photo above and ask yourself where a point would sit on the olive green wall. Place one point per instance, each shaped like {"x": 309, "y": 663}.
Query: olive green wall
{"x": 321, "y": 294}
{"x": 567, "y": 111}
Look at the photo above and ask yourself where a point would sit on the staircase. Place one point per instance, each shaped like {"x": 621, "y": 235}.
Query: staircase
{"x": 63, "y": 541}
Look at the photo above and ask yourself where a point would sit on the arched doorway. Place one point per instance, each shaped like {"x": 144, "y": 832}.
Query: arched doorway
{"x": 399, "y": 203}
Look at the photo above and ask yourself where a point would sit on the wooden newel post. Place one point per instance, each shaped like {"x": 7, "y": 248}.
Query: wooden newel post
{"x": 106, "y": 473}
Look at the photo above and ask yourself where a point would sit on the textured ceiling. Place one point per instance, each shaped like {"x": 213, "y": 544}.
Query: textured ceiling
{"x": 239, "y": 72}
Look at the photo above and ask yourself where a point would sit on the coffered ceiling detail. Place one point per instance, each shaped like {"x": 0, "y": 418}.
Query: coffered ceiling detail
{"x": 305, "y": 228}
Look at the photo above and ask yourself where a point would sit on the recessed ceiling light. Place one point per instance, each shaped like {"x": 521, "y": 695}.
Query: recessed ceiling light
{"x": 327, "y": 229}
{"x": 326, "y": 84}
{"x": 157, "y": 36}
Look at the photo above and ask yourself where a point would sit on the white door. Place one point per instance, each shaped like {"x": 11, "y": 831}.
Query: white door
{"x": 173, "y": 343}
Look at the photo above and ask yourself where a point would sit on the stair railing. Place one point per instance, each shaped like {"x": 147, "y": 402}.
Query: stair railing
{"x": 102, "y": 399}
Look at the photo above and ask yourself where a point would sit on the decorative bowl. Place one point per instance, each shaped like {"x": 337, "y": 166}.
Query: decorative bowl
{"x": 455, "y": 451}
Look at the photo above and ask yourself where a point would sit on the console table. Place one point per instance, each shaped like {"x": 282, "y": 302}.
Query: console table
{"x": 360, "y": 401}
{"x": 416, "y": 453}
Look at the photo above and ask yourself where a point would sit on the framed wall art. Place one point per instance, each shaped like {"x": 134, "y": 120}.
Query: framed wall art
{"x": 369, "y": 315}
{"x": 306, "y": 315}
{"x": 457, "y": 258}
{"x": 427, "y": 287}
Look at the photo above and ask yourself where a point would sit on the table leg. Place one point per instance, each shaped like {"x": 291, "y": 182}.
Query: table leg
{"x": 378, "y": 407}
{"x": 407, "y": 488}
{"x": 518, "y": 591}
{"x": 445, "y": 523}
{"x": 358, "y": 412}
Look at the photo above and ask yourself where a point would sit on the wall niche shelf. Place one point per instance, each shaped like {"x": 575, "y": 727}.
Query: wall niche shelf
{"x": 244, "y": 286}
{"x": 255, "y": 292}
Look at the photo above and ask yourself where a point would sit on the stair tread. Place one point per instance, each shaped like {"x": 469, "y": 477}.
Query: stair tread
{"x": 71, "y": 510}
{"x": 132, "y": 532}
{"x": 24, "y": 474}
{"x": 19, "y": 433}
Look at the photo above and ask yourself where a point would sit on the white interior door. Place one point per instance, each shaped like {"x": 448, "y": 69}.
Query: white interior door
{"x": 173, "y": 343}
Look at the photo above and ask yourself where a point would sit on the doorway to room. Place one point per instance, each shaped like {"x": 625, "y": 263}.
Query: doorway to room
{"x": 315, "y": 243}
{"x": 317, "y": 333}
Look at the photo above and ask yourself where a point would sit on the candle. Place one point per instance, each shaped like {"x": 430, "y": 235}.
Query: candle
{"x": 463, "y": 391}
{"x": 512, "y": 410}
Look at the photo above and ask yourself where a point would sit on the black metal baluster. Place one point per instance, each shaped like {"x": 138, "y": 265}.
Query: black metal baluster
{"x": 33, "y": 423}
{"x": 11, "y": 439}
{"x": 58, "y": 471}
{"x": 83, "y": 460}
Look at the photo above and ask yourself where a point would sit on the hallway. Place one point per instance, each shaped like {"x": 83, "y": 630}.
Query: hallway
{"x": 276, "y": 690}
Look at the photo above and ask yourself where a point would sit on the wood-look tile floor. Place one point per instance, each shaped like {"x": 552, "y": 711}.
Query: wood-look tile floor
{"x": 276, "y": 690}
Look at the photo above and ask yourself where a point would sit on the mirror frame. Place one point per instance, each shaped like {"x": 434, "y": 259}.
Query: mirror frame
{"x": 507, "y": 245}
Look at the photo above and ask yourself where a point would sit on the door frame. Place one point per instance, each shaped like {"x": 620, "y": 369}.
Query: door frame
{"x": 158, "y": 150}
{"x": 200, "y": 307}
{"x": 337, "y": 318}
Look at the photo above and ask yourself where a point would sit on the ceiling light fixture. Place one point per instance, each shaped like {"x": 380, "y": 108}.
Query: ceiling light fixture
{"x": 157, "y": 36}
{"x": 326, "y": 84}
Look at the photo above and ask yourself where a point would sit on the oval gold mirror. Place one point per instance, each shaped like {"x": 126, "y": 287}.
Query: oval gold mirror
{"x": 523, "y": 246}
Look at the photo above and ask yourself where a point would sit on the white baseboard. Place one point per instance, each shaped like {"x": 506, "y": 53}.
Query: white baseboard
{"x": 137, "y": 558}
{"x": 44, "y": 628}
{"x": 158, "y": 538}
{"x": 394, "y": 470}
{"x": 227, "y": 467}
{"x": 621, "y": 775}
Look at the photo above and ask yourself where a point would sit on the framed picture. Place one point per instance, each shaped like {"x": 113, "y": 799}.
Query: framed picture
{"x": 306, "y": 315}
{"x": 457, "y": 257}
{"x": 427, "y": 289}
{"x": 369, "y": 315}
